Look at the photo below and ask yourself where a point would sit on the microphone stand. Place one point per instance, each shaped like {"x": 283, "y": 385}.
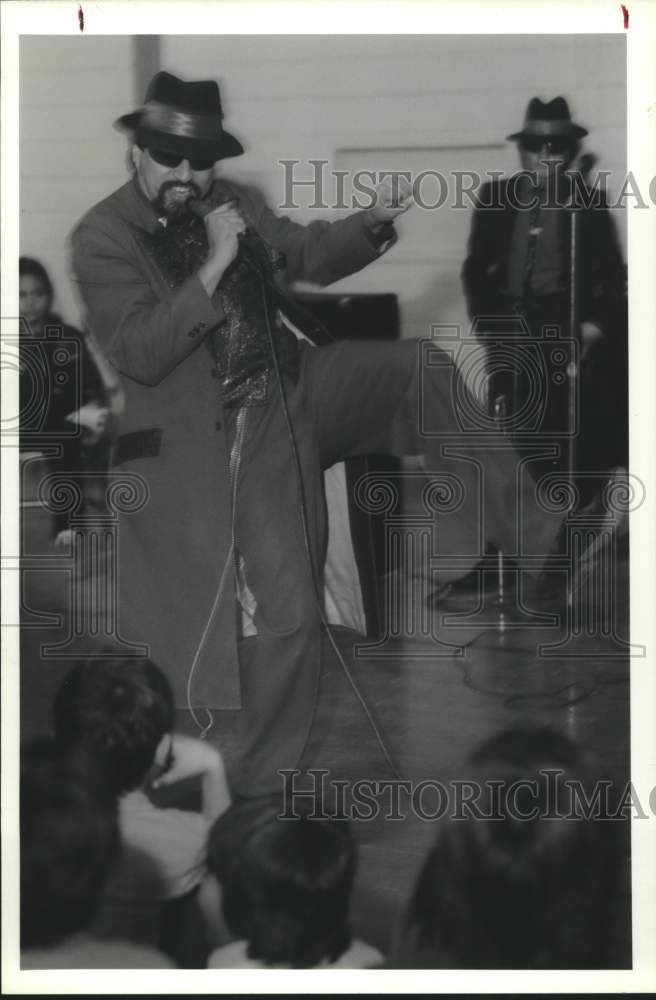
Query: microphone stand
{"x": 583, "y": 168}
{"x": 500, "y": 413}
{"x": 573, "y": 323}
{"x": 573, "y": 368}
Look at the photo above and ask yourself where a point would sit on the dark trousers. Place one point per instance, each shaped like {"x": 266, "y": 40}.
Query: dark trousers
{"x": 353, "y": 398}
{"x": 581, "y": 418}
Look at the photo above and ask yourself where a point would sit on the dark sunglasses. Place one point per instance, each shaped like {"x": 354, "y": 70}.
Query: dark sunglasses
{"x": 174, "y": 160}
{"x": 536, "y": 143}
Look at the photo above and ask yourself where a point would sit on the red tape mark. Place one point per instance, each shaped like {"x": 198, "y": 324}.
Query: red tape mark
{"x": 625, "y": 15}
{"x": 80, "y": 17}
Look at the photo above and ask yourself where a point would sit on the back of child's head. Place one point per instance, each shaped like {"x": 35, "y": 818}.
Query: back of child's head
{"x": 286, "y": 882}
{"x": 528, "y": 886}
{"x": 118, "y": 709}
{"x": 68, "y": 843}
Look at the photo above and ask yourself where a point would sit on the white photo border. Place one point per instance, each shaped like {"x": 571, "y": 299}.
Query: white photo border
{"x": 113, "y": 17}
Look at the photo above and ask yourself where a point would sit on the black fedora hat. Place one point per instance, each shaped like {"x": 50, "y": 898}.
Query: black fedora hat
{"x": 183, "y": 118}
{"x": 551, "y": 118}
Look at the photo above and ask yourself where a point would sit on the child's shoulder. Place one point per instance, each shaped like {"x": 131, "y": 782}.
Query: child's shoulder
{"x": 232, "y": 956}
{"x": 359, "y": 956}
{"x": 137, "y": 811}
{"x": 173, "y": 838}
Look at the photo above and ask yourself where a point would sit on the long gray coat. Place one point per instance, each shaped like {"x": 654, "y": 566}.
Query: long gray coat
{"x": 172, "y": 551}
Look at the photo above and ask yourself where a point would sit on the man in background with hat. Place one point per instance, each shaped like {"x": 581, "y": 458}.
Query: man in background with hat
{"x": 230, "y": 421}
{"x": 519, "y": 264}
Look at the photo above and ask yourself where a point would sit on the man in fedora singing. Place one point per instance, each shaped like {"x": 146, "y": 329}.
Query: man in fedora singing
{"x": 519, "y": 264}
{"x": 231, "y": 420}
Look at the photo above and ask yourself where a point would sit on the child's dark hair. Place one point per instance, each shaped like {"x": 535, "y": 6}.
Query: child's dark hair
{"x": 513, "y": 892}
{"x": 286, "y": 882}
{"x": 29, "y": 267}
{"x": 118, "y": 710}
{"x": 68, "y": 843}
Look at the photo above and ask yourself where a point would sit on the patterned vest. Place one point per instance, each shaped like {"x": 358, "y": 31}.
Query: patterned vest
{"x": 242, "y": 345}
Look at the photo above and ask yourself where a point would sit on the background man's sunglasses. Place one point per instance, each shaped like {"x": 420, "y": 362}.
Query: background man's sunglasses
{"x": 174, "y": 160}
{"x": 536, "y": 143}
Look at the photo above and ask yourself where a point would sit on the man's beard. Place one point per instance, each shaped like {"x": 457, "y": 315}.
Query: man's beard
{"x": 173, "y": 199}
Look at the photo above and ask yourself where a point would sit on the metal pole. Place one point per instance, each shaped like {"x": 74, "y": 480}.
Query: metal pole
{"x": 573, "y": 367}
{"x": 500, "y": 417}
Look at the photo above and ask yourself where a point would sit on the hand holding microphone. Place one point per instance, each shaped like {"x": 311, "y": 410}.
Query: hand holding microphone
{"x": 223, "y": 224}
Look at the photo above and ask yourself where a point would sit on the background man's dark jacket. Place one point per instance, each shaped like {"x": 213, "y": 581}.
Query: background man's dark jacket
{"x": 600, "y": 265}
{"x": 601, "y": 290}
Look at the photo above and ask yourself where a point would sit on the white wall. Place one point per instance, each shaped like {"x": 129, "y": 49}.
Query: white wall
{"x": 412, "y": 98}
{"x": 71, "y": 90}
{"x": 423, "y": 102}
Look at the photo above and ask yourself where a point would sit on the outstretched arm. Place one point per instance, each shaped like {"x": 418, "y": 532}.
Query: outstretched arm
{"x": 324, "y": 252}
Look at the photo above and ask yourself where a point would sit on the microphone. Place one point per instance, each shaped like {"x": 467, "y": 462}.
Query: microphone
{"x": 581, "y": 167}
{"x": 200, "y": 208}
{"x": 586, "y": 162}
{"x": 247, "y": 240}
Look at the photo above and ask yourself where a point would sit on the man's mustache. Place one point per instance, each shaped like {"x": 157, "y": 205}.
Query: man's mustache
{"x": 173, "y": 198}
{"x": 189, "y": 186}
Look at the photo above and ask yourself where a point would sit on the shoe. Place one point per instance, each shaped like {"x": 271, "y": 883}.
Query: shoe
{"x": 608, "y": 508}
{"x": 544, "y": 593}
{"x": 606, "y": 519}
{"x": 611, "y": 507}
{"x": 608, "y": 513}
{"x": 480, "y": 585}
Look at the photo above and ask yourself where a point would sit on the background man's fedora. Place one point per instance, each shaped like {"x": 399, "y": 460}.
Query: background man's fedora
{"x": 549, "y": 119}
{"x": 183, "y": 118}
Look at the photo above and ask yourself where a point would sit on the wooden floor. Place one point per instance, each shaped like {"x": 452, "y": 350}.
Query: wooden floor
{"x": 434, "y": 705}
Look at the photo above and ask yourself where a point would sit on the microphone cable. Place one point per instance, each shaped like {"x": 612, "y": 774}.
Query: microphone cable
{"x": 254, "y": 265}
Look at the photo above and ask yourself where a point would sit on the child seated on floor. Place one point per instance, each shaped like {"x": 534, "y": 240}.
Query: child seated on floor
{"x": 283, "y": 886}
{"x": 120, "y": 713}
{"x": 68, "y": 844}
{"x": 528, "y": 881}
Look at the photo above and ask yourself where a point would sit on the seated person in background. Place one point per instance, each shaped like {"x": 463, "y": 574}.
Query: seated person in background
{"x": 284, "y": 888}
{"x": 120, "y": 713}
{"x": 68, "y": 844}
{"x": 36, "y": 295}
{"x": 80, "y": 390}
{"x": 511, "y": 892}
